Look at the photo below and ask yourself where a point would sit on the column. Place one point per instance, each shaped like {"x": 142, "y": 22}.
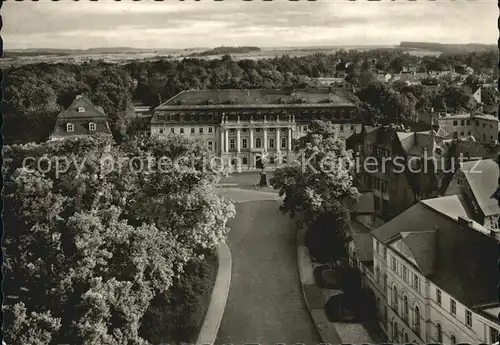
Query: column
{"x": 226, "y": 142}
{"x": 238, "y": 140}
{"x": 278, "y": 143}
{"x": 251, "y": 138}
{"x": 222, "y": 140}
{"x": 265, "y": 139}
{"x": 289, "y": 139}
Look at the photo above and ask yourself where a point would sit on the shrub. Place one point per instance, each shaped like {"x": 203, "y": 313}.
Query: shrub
{"x": 177, "y": 316}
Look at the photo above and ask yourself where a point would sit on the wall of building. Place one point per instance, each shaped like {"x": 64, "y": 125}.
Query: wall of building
{"x": 432, "y": 312}
{"x": 451, "y": 324}
{"x": 485, "y": 130}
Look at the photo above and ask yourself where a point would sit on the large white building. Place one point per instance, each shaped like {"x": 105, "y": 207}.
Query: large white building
{"x": 252, "y": 127}
{"x": 434, "y": 275}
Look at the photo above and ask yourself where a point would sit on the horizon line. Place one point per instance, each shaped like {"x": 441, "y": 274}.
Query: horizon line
{"x": 264, "y": 46}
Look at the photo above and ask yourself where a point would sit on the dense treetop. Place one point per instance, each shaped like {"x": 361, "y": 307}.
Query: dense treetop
{"x": 34, "y": 94}
{"x": 88, "y": 249}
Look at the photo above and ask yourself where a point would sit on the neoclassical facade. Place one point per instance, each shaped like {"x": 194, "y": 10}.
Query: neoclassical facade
{"x": 252, "y": 128}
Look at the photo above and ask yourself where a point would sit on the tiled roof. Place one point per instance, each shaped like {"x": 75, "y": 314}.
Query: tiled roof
{"x": 465, "y": 259}
{"x": 453, "y": 206}
{"x": 423, "y": 244}
{"x": 363, "y": 244}
{"x": 80, "y": 119}
{"x": 482, "y": 177}
{"x": 221, "y": 98}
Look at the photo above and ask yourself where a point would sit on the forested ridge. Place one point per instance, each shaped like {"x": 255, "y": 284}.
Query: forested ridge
{"x": 34, "y": 94}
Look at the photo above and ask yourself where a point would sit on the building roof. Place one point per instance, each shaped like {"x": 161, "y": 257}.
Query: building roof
{"x": 485, "y": 117}
{"x": 423, "y": 244}
{"x": 453, "y": 206}
{"x": 482, "y": 177}
{"x": 324, "y": 97}
{"x": 363, "y": 245}
{"x": 80, "y": 119}
{"x": 465, "y": 260}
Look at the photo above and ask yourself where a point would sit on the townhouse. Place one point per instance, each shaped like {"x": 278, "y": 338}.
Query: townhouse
{"x": 435, "y": 275}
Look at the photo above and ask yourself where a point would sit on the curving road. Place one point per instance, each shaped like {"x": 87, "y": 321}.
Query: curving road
{"x": 265, "y": 303}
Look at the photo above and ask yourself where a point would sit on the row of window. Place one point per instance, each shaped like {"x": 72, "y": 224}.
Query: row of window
{"x": 258, "y": 143}
{"x": 455, "y": 135}
{"x": 406, "y": 310}
{"x": 403, "y": 272}
{"x": 210, "y": 130}
{"x": 271, "y": 160}
{"x": 71, "y": 127}
{"x": 181, "y": 130}
{"x": 453, "y": 308}
{"x": 463, "y": 122}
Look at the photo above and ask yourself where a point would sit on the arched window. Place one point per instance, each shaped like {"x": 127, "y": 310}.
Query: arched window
{"x": 92, "y": 126}
{"x": 70, "y": 127}
{"x": 453, "y": 340}
{"x": 395, "y": 298}
{"x": 395, "y": 332}
{"x": 439, "y": 332}
{"x": 405, "y": 338}
{"x": 416, "y": 320}
{"x": 257, "y": 143}
{"x": 406, "y": 310}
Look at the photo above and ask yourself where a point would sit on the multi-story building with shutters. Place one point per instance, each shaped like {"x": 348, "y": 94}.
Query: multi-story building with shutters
{"x": 253, "y": 128}
{"x": 433, "y": 274}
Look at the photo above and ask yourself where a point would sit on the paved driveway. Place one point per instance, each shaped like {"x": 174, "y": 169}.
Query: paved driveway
{"x": 265, "y": 303}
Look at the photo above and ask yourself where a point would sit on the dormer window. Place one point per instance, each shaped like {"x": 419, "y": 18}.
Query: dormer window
{"x": 81, "y": 109}
{"x": 92, "y": 126}
{"x": 70, "y": 127}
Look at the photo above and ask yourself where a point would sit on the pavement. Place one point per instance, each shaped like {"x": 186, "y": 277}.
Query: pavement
{"x": 265, "y": 304}
{"x": 316, "y": 299}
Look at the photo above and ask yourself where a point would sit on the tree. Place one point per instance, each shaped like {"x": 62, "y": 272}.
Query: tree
{"x": 317, "y": 187}
{"x": 459, "y": 99}
{"x": 489, "y": 96}
{"x": 84, "y": 254}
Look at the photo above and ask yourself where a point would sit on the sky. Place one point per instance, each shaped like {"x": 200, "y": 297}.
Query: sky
{"x": 280, "y": 23}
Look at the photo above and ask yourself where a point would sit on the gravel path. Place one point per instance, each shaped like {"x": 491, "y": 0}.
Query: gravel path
{"x": 265, "y": 303}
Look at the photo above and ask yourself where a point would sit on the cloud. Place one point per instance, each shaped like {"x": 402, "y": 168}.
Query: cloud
{"x": 209, "y": 23}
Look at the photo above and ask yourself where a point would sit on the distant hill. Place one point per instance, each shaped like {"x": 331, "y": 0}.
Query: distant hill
{"x": 69, "y": 52}
{"x": 227, "y": 50}
{"x": 449, "y": 48}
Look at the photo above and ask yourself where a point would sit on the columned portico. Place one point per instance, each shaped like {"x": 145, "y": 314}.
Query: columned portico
{"x": 238, "y": 140}
{"x": 222, "y": 145}
{"x": 265, "y": 139}
{"x": 278, "y": 143}
{"x": 226, "y": 141}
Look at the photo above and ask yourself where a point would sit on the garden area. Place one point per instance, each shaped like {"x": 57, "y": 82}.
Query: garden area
{"x": 115, "y": 255}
